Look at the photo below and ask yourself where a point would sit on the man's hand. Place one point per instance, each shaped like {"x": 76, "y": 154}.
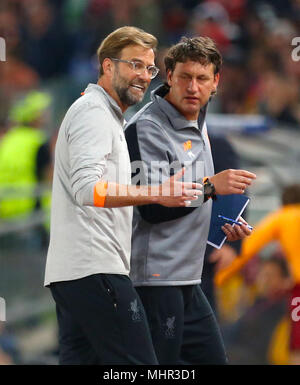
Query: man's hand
{"x": 171, "y": 193}
{"x": 174, "y": 193}
{"x": 232, "y": 181}
{"x": 222, "y": 257}
{"x": 236, "y": 232}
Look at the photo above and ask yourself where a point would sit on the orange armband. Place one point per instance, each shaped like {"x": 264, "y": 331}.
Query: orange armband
{"x": 100, "y": 191}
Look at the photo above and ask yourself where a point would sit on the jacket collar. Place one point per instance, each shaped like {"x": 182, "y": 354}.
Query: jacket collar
{"x": 177, "y": 120}
{"x": 108, "y": 99}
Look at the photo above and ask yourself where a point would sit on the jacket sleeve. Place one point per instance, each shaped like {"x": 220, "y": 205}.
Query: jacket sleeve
{"x": 153, "y": 161}
{"x": 89, "y": 139}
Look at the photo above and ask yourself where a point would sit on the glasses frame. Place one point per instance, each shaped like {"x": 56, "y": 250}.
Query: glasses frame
{"x": 134, "y": 63}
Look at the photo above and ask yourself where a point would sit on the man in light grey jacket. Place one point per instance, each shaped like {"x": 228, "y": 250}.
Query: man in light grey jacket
{"x": 168, "y": 244}
{"x": 100, "y": 316}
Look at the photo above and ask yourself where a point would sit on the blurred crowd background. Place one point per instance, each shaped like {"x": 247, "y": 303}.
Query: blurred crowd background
{"x": 49, "y": 60}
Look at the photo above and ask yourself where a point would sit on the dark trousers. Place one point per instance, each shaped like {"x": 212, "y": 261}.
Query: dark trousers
{"x": 101, "y": 321}
{"x": 207, "y": 284}
{"x": 183, "y": 326}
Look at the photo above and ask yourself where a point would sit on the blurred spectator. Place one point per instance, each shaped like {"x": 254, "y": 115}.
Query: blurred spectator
{"x": 174, "y": 20}
{"x": 59, "y": 39}
{"x": 236, "y": 99}
{"x": 46, "y": 46}
{"x": 211, "y": 19}
{"x": 283, "y": 226}
{"x": 9, "y": 350}
{"x": 235, "y": 9}
{"x": 250, "y": 339}
{"x": 146, "y": 14}
{"x": 18, "y": 174}
{"x": 280, "y": 98}
{"x": 15, "y": 76}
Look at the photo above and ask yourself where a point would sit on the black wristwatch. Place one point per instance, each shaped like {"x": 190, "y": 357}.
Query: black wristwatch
{"x": 209, "y": 190}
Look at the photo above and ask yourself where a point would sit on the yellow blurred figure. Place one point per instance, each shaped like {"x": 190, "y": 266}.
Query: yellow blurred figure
{"x": 18, "y": 154}
{"x": 283, "y": 226}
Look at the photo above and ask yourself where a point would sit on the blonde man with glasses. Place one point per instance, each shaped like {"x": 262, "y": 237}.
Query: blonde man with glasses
{"x": 101, "y": 319}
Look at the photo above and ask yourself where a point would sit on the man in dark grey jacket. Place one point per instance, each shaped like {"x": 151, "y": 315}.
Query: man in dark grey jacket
{"x": 168, "y": 244}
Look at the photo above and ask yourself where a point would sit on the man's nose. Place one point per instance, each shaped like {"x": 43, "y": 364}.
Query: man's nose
{"x": 145, "y": 76}
{"x": 192, "y": 86}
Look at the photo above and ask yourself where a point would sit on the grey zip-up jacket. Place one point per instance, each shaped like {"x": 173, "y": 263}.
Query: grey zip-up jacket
{"x": 91, "y": 146}
{"x": 168, "y": 244}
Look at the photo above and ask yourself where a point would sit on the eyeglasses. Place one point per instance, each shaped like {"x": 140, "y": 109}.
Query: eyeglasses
{"x": 140, "y": 67}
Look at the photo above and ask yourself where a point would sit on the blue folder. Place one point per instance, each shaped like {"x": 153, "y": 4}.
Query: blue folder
{"x": 230, "y": 206}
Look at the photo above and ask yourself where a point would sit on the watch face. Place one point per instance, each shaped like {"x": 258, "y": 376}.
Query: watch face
{"x": 208, "y": 189}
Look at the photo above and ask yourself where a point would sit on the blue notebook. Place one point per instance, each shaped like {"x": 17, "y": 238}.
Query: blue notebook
{"x": 230, "y": 206}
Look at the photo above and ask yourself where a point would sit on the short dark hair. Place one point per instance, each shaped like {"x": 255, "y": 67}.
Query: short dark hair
{"x": 199, "y": 49}
{"x": 291, "y": 194}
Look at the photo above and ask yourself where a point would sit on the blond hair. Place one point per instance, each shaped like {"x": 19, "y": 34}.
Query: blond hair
{"x": 112, "y": 45}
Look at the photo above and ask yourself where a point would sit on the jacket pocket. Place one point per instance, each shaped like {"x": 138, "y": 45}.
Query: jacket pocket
{"x": 110, "y": 290}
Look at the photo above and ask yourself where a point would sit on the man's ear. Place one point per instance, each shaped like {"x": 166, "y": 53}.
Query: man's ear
{"x": 169, "y": 77}
{"x": 107, "y": 66}
{"x": 216, "y": 80}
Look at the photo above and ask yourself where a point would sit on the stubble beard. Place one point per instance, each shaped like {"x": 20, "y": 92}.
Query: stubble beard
{"x": 122, "y": 88}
